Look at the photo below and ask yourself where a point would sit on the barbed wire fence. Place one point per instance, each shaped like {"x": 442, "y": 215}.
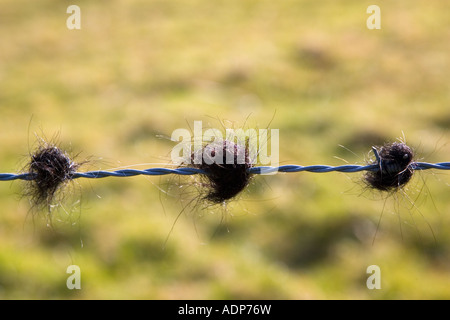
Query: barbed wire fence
{"x": 50, "y": 168}
{"x": 124, "y": 173}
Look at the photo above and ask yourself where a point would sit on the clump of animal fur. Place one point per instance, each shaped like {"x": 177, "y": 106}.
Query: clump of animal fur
{"x": 395, "y": 169}
{"x": 50, "y": 169}
{"x": 225, "y": 165}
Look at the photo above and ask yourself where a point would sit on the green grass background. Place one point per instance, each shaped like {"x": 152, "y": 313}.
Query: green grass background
{"x": 140, "y": 69}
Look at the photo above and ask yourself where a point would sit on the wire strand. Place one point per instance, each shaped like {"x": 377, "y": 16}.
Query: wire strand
{"x": 254, "y": 170}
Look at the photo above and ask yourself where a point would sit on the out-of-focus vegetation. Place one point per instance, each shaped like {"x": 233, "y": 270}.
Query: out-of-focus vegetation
{"x": 137, "y": 70}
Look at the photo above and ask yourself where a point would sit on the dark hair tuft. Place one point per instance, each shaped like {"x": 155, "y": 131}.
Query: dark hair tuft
{"x": 224, "y": 179}
{"x": 50, "y": 168}
{"x": 394, "y": 162}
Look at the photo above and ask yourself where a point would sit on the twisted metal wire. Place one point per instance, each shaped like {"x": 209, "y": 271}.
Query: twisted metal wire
{"x": 254, "y": 170}
{"x": 103, "y": 174}
{"x": 345, "y": 168}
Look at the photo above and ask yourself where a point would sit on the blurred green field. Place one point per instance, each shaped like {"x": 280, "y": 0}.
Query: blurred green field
{"x": 138, "y": 70}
